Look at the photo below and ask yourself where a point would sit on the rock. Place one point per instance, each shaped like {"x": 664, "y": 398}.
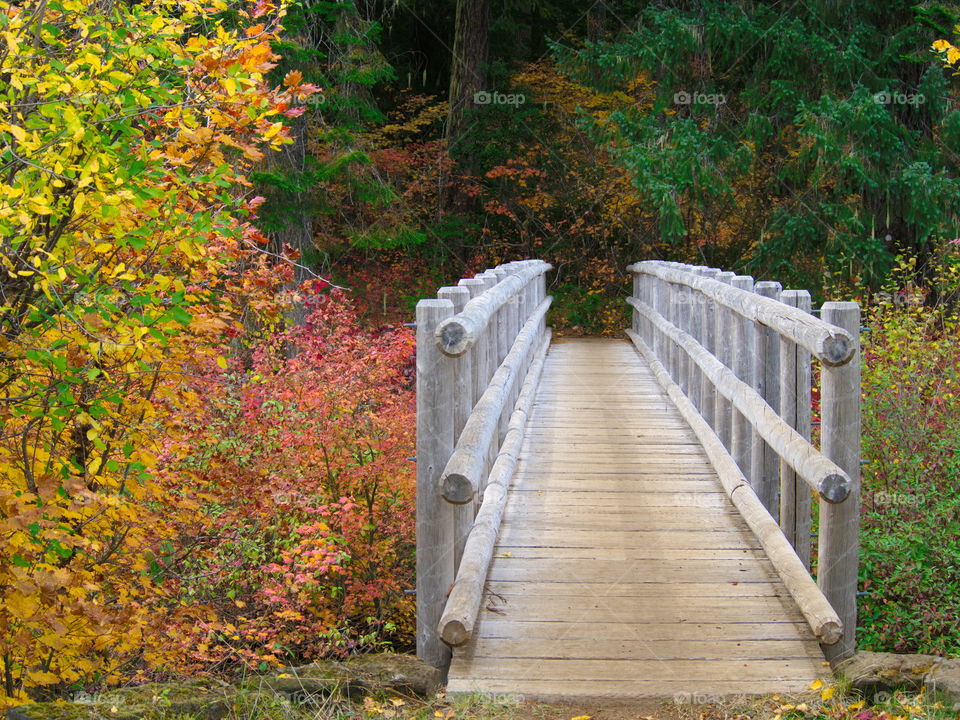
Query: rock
{"x": 353, "y": 678}
{"x": 874, "y": 672}
{"x": 196, "y": 698}
{"x": 403, "y": 673}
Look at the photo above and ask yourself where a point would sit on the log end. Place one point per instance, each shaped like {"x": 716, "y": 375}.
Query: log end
{"x": 457, "y": 489}
{"x": 454, "y": 632}
{"x": 453, "y": 338}
{"x": 835, "y": 488}
{"x": 830, "y": 632}
{"x": 837, "y": 349}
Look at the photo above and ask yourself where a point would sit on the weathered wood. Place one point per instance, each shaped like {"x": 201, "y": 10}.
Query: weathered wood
{"x": 743, "y": 366}
{"x": 840, "y": 438}
{"x": 462, "y": 474}
{"x": 795, "y": 401}
{"x": 708, "y": 394}
{"x": 823, "y": 475}
{"x": 457, "y": 334}
{"x": 627, "y": 648}
{"x": 611, "y": 567}
{"x": 462, "y": 407}
{"x": 460, "y": 612}
{"x": 764, "y": 463}
{"x": 435, "y": 524}
{"x": 816, "y": 609}
{"x": 489, "y": 340}
{"x": 723, "y": 410}
{"x": 831, "y": 345}
{"x": 492, "y": 625}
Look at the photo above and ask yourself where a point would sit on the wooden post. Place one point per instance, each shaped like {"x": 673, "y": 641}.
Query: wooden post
{"x": 708, "y": 324}
{"x": 656, "y": 302}
{"x": 695, "y": 323}
{"x": 682, "y": 299}
{"x": 723, "y": 335}
{"x": 503, "y": 341}
{"x": 462, "y": 405}
{"x": 840, "y": 441}
{"x": 796, "y": 501}
{"x": 765, "y": 465}
{"x": 480, "y": 359}
{"x": 435, "y": 526}
{"x": 541, "y": 296}
{"x": 674, "y": 353}
{"x": 743, "y": 366}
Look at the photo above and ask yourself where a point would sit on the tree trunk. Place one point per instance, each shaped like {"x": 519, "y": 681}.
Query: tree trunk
{"x": 297, "y": 230}
{"x": 468, "y": 71}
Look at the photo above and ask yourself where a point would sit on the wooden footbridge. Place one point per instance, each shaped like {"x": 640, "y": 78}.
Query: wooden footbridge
{"x": 632, "y": 518}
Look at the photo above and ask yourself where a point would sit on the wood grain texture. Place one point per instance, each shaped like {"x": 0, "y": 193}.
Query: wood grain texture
{"x": 621, "y": 569}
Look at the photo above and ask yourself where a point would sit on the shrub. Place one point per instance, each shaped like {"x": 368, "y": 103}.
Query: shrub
{"x": 301, "y": 465}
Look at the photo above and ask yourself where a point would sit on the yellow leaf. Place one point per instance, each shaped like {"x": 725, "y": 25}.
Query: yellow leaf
{"x": 21, "y": 606}
{"x": 222, "y": 362}
{"x": 18, "y": 132}
{"x": 40, "y": 677}
{"x": 827, "y": 693}
{"x": 816, "y": 685}
{"x": 581, "y": 717}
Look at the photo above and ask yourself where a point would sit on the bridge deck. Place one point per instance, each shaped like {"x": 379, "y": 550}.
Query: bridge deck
{"x": 621, "y": 569}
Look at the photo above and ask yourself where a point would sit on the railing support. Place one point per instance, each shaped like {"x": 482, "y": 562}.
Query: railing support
{"x": 765, "y": 465}
{"x": 463, "y": 401}
{"x": 796, "y": 502}
{"x": 435, "y": 516}
{"x": 840, "y": 441}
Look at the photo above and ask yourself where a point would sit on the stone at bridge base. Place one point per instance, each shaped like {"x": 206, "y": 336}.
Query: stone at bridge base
{"x": 356, "y": 676}
{"x": 872, "y": 673}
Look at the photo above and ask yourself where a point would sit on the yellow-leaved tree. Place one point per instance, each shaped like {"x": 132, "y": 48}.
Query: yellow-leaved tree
{"x": 125, "y": 130}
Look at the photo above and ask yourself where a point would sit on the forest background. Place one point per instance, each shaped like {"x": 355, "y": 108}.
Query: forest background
{"x": 216, "y": 218}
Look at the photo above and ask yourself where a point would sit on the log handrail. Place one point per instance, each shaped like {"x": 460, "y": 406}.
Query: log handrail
{"x": 823, "y": 476}
{"x": 459, "y": 333}
{"x": 816, "y": 609}
{"x": 463, "y": 603}
{"x": 829, "y": 343}
{"x": 461, "y": 475}
{"x": 739, "y": 355}
{"x": 480, "y": 348}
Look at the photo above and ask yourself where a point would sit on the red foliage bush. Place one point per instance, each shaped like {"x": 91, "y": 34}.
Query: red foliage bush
{"x": 301, "y": 468}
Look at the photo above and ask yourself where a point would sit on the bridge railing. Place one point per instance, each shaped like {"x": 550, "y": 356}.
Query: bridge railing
{"x": 480, "y": 349}
{"x": 738, "y": 357}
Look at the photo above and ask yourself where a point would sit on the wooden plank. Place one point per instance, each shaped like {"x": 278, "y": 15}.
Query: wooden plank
{"x": 594, "y": 670}
{"x": 641, "y": 591}
{"x": 510, "y": 568}
{"x": 641, "y": 649}
{"x": 624, "y": 553}
{"x": 495, "y": 626}
{"x": 515, "y": 535}
{"x": 598, "y": 691}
